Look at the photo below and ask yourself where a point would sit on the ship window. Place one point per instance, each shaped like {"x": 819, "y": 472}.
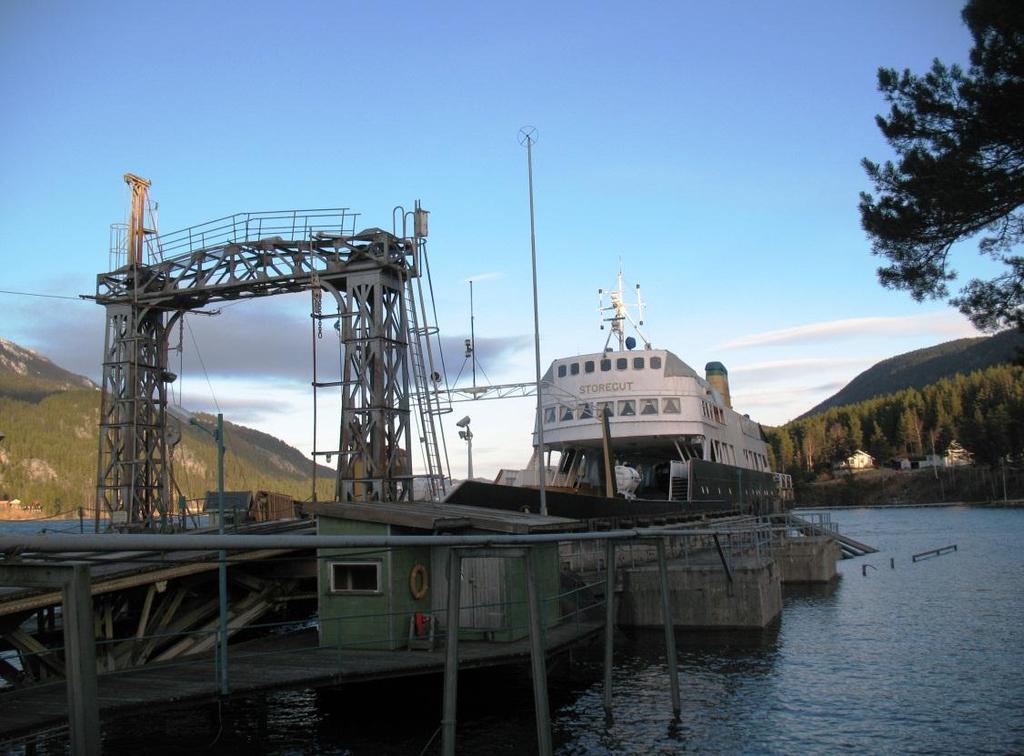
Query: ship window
{"x": 587, "y": 412}
{"x": 355, "y": 577}
{"x": 566, "y": 413}
{"x": 561, "y": 371}
{"x": 638, "y": 363}
{"x": 606, "y": 407}
{"x": 606, "y": 365}
{"x": 669, "y": 406}
{"x": 627, "y": 407}
{"x": 648, "y": 406}
{"x": 588, "y": 366}
{"x": 574, "y": 368}
{"x": 550, "y": 415}
{"x": 655, "y": 363}
{"x": 621, "y": 363}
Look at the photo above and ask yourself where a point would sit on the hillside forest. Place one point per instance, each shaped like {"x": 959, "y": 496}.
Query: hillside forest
{"x": 982, "y": 410}
{"x": 49, "y": 456}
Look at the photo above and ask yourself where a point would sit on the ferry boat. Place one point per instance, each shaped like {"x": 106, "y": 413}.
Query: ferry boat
{"x": 668, "y": 433}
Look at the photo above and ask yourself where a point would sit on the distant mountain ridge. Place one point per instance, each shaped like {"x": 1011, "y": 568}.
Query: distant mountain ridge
{"x": 29, "y": 376}
{"x": 923, "y": 367}
{"x": 50, "y": 418}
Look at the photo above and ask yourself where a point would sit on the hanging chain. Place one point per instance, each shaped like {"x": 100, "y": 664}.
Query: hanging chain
{"x": 318, "y": 296}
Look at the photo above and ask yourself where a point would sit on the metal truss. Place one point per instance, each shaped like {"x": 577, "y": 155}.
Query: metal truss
{"x": 132, "y": 466}
{"x": 375, "y": 463}
{"x": 246, "y": 256}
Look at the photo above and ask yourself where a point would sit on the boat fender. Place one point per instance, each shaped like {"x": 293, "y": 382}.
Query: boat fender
{"x": 418, "y": 583}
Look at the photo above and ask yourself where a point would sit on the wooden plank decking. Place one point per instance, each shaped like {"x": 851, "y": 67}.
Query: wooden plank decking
{"x": 294, "y": 662}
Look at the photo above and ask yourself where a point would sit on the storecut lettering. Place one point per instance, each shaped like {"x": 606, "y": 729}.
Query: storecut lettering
{"x": 597, "y": 388}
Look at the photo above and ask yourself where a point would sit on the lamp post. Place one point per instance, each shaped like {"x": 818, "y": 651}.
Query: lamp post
{"x": 527, "y": 137}
{"x": 467, "y": 435}
{"x": 222, "y": 556}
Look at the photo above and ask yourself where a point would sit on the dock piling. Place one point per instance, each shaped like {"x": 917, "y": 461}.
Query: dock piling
{"x": 670, "y": 633}
{"x": 609, "y": 622}
{"x": 451, "y": 660}
{"x": 538, "y": 663}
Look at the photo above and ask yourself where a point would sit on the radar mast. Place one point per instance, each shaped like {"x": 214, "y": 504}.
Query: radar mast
{"x": 620, "y": 314}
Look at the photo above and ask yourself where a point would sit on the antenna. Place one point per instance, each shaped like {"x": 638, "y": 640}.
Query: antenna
{"x": 472, "y": 332}
{"x": 620, "y": 314}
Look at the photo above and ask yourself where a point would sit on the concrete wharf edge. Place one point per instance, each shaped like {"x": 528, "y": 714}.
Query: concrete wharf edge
{"x": 38, "y": 708}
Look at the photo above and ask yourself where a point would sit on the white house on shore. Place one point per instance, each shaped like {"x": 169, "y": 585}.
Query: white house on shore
{"x": 859, "y": 460}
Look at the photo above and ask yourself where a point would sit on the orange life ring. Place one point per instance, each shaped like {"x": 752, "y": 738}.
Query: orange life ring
{"x": 418, "y": 582}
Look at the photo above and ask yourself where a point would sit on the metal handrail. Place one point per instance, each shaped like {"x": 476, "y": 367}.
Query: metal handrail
{"x": 252, "y": 226}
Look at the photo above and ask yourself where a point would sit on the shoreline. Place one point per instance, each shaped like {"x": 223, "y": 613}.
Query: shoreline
{"x": 985, "y": 504}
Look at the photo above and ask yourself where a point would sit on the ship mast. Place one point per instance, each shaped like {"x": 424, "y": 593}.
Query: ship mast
{"x": 620, "y": 314}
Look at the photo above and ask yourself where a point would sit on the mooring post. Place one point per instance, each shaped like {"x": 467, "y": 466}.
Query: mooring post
{"x": 80, "y": 663}
{"x": 451, "y": 657}
{"x": 609, "y": 622}
{"x": 670, "y": 634}
{"x": 538, "y": 663}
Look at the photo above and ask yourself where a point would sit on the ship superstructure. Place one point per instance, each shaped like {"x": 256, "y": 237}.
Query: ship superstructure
{"x": 656, "y": 415}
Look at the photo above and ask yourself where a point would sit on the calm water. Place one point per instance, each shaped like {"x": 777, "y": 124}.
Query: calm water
{"x": 922, "y": 658}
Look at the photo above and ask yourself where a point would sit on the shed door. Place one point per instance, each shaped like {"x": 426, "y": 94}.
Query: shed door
{"x": 484, "y": 591}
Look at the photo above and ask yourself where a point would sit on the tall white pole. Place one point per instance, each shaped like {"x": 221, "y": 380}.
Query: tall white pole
{"x": 527, "y": 136}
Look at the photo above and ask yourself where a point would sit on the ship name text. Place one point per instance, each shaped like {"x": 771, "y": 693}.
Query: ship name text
{"x": 600, "y": 388}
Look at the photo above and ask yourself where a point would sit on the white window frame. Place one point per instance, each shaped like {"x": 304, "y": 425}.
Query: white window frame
{"x": 334, "y": 589}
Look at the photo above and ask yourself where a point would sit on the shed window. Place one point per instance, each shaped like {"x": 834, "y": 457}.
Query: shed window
{"x": 627, "y": 407}
{"x": 669, "y": 406}
{"x": 355, "y": 577}
{"x": 621, "y": 363}
{"x": 606, "y": 365}
{"x": 606, "y": 408}
{"x": 648, "y": 406}
{"x": 587, "y": 412}
{"x": 655, "y": 363}
{"x": 588, "y": 366}
{"x": 550, "y": 415}
{"x": 574, "y": 368}
{"x": 561, "y": 371}
{"x": 566, "y": 413}
{"x": 638, "y": 363}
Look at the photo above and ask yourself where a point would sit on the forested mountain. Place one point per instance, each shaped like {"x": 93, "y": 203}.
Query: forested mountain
{"x": 982, "y": 410}
{"x": 924, "y": 367}
{"x": 29, "y": 376}
{"x": 50, "y": 418}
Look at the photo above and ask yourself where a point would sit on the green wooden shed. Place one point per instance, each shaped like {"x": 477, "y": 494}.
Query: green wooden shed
{"x": 397, "y": 598}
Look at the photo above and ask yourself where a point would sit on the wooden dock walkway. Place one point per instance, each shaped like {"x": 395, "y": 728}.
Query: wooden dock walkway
{"x": 291, "y": 662}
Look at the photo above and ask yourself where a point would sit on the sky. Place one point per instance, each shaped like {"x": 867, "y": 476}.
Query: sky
{"x": 711, "y": 149}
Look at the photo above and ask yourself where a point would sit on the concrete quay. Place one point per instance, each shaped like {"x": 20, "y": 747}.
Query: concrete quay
{"x": 702, "y": 595}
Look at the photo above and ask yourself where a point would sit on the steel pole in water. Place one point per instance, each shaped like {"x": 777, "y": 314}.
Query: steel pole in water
{"x": 538, "y": 665}
{"x": 80, "y": 658}
{"x": 222, "y": 565}
{"x": 670, "y": 634}
{"x": 609, "y": 622}
{"x": 451, "y": 658}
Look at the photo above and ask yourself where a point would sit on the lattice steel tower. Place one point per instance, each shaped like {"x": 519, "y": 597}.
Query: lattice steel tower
{"x": 244, "y": 256}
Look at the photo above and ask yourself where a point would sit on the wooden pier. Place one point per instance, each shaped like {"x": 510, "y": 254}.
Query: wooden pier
{"x": 294, "y": 662}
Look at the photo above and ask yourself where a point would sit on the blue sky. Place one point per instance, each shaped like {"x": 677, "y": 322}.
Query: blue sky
{"x": 713, "y": 147}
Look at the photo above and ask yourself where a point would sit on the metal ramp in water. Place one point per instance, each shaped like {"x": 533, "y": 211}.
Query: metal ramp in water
{"x": 825, "y": 527}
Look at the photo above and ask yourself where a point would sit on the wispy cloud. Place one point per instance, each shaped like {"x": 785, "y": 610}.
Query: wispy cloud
{"x": 766, "y": 371}
{"x": 491, "y": 275}
{"x": 945, "y": 323}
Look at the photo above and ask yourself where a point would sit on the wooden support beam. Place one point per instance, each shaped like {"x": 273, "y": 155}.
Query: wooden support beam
{"x": 28, "y": 645}
{"x": 164, "y": 615}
